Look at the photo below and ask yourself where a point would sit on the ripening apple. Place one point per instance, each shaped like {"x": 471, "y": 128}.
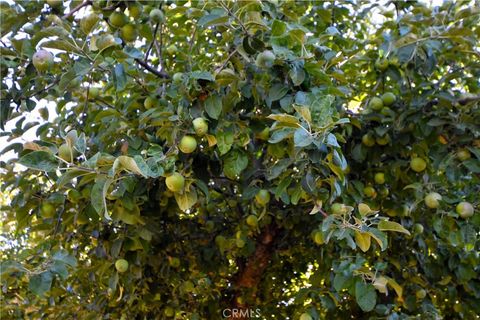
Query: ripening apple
{"x": 118, "y": 19}
{"x": 375, "y": 103}
{"x": 188, "y": 144}
{"x": 121, "y": 265}
{"x": 262, "y": 197}
{"x": 421, "y": 294}
{"x": 129, "y": 32}
{"x": 200, "y": 126}
{"x": 465, "y": 209}
{"x": 265, "y": 59}
{"x": 157, "y": 16}
{"x": 418, "y": 164}
{"x": 47, "y": 210}
{"x": 432, "y": 200}
{"x": 252, "y": 220}
{"x": 369, "y": 191}
{"x": 42, "y": 60}
{"x": 175, "y": 182}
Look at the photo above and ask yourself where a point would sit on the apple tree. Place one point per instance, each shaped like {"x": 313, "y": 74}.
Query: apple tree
{"x": 280, "y": 159}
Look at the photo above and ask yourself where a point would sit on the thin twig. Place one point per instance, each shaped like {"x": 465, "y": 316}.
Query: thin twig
{"x": 80, "y": 6}
{"x": 231, "y": 14}
{"x": 226, "y": 61}
{"x": 153, "y": 41}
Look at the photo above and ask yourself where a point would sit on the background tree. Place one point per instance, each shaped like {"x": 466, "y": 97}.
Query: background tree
{"x": 298, "y": 158}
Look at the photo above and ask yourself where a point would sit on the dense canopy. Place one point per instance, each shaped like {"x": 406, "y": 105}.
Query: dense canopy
{"x": 247, "y": 159}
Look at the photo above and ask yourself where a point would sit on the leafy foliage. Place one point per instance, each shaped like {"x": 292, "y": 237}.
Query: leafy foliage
{"x": 285, "y": 88}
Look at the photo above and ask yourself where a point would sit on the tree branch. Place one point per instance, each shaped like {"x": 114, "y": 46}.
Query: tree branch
{"x": 153, "y": 41}
{"x": 80, "y": 6}
{"x": 159, "y": 74}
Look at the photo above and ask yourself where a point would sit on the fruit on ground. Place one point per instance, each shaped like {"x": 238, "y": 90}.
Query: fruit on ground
{"x": 265, "y": 59}
{"x": 369, "y": 192}
{"x": 388, "y": 98}
{"x": 188, "y": 144}
{"x": 42, "y": 60}
{"x": 66, "y": 153}
{"x": 418, "y": 164}
{"x": 121, "y": 265}
{"x": 252, "y": 220}
{"x": 177, "y": 78}
{"x": 200, "y": 126}
{"x": 318, "y": 237}
{"x": 375, "y": 103}
{"x": 464, "y": 209}
{"x": 463, "y": 154}
{"x": 175, "y": 182}
{"x": 379, "y": 178}
{"x": 432, "y": 200}
{"x": 157, "y": 16}
{"x": 129, "y": 32}
{"x": 47, "y": 210}
{"x": 118, "y": 19}
{"x": 262, "y": 197}
{"x": 368, "y": 140}
{"x": 305, "y": 316}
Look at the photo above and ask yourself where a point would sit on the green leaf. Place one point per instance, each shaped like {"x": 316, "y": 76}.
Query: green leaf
{"x": 277, "y": 92}
{"x": 234, "y": 163}
{"x": 224, "y": 141}
{"x": 213, "y": 106}
{"x": 39, "y": 160}
{"x": 98, "y": 193}
{"x": 302, "y": 138}
{"x": 119, "y": 77}
{"x": 39, "y": 284}
{"x": 65, "y": 257}
{"x": 365, "y": 295}
{"x": 385, "y": 225}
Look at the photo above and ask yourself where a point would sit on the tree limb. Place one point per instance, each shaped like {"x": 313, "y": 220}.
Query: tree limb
{"x": 159, "y": 74}
{"x": 80, "y": 6}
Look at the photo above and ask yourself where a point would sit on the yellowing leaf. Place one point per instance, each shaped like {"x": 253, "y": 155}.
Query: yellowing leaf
{"x": 211, "y": 140}
{"x": 285, "y": 119}
{"x": 398, "y": 288}
{"x": 364, "y": 209}
{"x": 386, "y": 225}
{"x": 363, "y": 240}
{"x": 187, "y": 199}
{"x": 381, "y": 284}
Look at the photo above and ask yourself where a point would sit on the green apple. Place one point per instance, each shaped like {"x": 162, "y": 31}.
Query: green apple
{"x": 42, "y": 60}
{"x": 418, "y": 228}
{"x": 375, "y": 103}
{"x": 382, "y": 141}
{"x": 175, "y": 182}
{"x": 129, "y": 32}
{"x": 463, "y": 154}
{"x": 369, "y": 191}
{"x": 47, "y": 210}
{"x": 418, "y": 164}
{"x": 388, "y": 98}
{"x": 74, "y": 195}
{"x": 421, "y": 294}
{"x": 262, "y": 197}
{"x": 188, "y": 144}
{"x": 200, "y": 126}
{"x": 305, "y": 316}
{"x": 432, "y": 200}
{"x": 265, "y": 59}
{"x": 172, "y": 49}
{"x": 135, "y": 10}
{"x": 157, "y": 16}
{"x": 338, "y": 208}
{"x": 252, "y": 220}
{"x": 379, "y": 178}
{"x": 169, "y": 312}
{"x": 149, "y": 103}
{"x": 118, "y": 19}
{"x": 465, "y": 209}
{"x": 318, "y": 237}
{"x": 368, "y": 140}
{"x": 121, "y": 265}
{"x": 177, "y": 78}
